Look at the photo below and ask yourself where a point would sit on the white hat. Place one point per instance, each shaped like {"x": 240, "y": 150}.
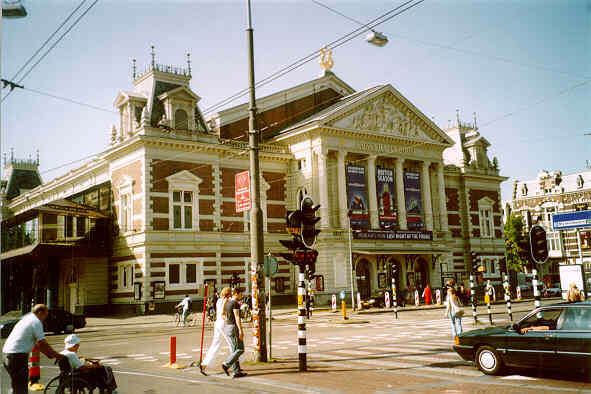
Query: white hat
{"x": 71, "y": 341}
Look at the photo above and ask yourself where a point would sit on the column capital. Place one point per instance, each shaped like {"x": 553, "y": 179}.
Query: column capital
{"x": 372, "y": 158}
{"x": 425, "y": 163}
{"x": 399, "y": 160}
{"x": 320, "y": 150}
{"x": 341, "y": 154}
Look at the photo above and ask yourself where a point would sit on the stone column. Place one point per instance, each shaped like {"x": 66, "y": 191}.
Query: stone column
{"x": 322, "y": 156}
{"x": 400, "y": 200}
{"x": 372, "y": 192}
{"x": 342, "y": 189}
{"x": 426, "y": 188}
{"x": 442, "y": 197}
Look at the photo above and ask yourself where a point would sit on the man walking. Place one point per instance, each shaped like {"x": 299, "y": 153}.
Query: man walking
{"x": 27, "y": 333}
{"x": 235, "y": 334}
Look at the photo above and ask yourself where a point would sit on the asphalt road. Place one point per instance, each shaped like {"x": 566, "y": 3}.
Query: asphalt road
{"x": 411, "y": 354}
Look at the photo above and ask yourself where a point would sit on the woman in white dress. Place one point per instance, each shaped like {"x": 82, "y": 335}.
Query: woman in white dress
{"x": 218, "y": 330}
{"x": 454, "y": 312}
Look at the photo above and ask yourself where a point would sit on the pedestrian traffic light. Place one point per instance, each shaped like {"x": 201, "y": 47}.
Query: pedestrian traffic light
{"x": 393, "y": 270}
{"x": 538, "y": 244}
{"x": 235, "y": 279}
{"x": 309, "y": 220}
{"x": 475, "y": 262}
{"x": 293, "y": 245}
{"x": 310, "y": 261}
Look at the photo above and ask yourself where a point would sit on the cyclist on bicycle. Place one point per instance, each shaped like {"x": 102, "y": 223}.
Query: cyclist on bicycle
{"x": 185, "y": 304}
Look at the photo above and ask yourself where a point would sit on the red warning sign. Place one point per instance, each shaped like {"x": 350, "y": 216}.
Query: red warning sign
{"x": 242, "y": 191}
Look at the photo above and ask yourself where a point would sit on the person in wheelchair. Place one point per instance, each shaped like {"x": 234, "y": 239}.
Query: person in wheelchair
{"x": 92, "y": 371}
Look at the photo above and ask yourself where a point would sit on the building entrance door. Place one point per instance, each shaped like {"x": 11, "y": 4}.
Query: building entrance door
{"x": 363, "y": 279}
{"x": 421, "y": 278}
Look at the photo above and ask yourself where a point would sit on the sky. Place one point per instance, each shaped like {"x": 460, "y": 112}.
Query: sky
{"x": 524, "y": 68}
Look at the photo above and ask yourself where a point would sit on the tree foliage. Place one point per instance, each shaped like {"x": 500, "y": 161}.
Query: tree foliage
{"x": 516, "y": 243}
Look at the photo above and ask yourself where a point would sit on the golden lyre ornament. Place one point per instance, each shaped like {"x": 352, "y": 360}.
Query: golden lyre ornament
{"x": 325, "y": 59}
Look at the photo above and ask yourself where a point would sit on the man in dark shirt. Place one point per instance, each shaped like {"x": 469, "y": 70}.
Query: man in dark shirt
{"x": 235, "y": 333}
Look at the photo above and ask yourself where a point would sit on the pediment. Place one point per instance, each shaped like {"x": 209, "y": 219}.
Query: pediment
{"x": 184, "y": 177}
{"x": 387, "y": 112}
{"x": 182, "y": 93}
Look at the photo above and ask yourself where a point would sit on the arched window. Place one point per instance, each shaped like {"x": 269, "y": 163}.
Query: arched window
{"x": 181, "y": 120}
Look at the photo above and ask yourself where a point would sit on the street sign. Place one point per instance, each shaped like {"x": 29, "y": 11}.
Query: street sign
{"x": 565, "y": 221}
{"x": 242, "y": 191}
{"x": 342, "y": 295}
{"x": 271, "y": 265}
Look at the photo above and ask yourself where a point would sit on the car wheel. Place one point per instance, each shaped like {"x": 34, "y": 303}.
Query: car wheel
{"x": 488, "y": 360}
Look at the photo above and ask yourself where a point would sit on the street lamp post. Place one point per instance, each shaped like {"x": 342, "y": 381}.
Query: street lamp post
{"x": 351, "y": 260}
{"x": 256, "y": 214}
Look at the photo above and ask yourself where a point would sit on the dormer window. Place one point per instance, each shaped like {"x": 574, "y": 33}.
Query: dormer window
{"x": 524, "y": 190}
{"x": 181, "y": 120}
{"x": 580, "y": 181}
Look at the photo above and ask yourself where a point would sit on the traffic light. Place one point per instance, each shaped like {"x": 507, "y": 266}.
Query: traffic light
{"x": 293, "y": 222}
{"x": 235, "y": 280}
{"x": 538, "y": 244}
{"x": 293, "y": 245}
{"x": 475, "y": 262}
{"x": 310, "y": 261}
{"x": 309, "y": 220}
{"x": 393, "y": 270}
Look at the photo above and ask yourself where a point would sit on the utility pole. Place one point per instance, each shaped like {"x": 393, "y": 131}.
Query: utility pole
{"x": 256, "y": 214}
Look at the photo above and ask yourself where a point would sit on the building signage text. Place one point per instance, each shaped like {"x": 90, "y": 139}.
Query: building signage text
{"x": 398, "y": 235}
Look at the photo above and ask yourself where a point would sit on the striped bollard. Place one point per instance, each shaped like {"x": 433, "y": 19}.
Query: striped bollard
{"x": 489, "y": 311}
{"x": 508, "y": 297}
{"x": 417, "y": 299}
{"x": 438, "y": 296}
{"x": 394, "y": 299}
{"x": 387, "y": 299}
{"x": 473, "y": 298}
{"x": 359, "y": 306}
{"x": 534, "y": 282}
{"x": 518, "y": 292}
{"x": 301, "y": 321}
{"x": 35, "y": 370}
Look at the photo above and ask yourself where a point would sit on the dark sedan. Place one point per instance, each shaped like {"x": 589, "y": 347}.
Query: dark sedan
{"x": 555, "y": 336}
{"x": 57, "y": 321}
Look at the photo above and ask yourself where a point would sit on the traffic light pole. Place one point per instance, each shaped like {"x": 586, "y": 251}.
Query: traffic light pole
{"x": 256, "y": 214}
{"x": 301, "y": 320}
{"x": 394, "y": 298}
{"x": 473, "y": 297}
{"x": 534, "y": 282}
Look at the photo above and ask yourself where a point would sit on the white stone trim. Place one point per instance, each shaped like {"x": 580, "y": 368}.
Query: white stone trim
{"x": 184, "y": 181}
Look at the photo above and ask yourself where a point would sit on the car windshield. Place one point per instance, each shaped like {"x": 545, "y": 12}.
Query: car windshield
{"x": 543, "y": 318}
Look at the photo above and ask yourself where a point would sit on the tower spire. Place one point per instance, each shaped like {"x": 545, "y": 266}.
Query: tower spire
{"x": 458, "y": 116}
{"x": 133, "y": 62}
{"x": 189, "y": 62}
{"x": 475, "y": 124}
{"x": 153, "y": 58}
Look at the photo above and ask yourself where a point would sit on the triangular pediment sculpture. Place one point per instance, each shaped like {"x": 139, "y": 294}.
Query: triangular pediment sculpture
{"x": 388, "y": 114}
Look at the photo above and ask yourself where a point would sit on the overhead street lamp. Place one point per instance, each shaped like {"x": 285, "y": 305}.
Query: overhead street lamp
{"x": 13, "y": 9}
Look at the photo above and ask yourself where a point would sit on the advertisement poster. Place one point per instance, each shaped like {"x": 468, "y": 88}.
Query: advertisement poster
{"x": 386, "y": 202}
{"x": 412, "y": 195}
{"x": 357, "y": 196}
{"x": 585, "y": 239}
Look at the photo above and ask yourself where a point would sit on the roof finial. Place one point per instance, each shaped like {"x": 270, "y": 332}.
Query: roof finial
{"x": 189, "y": 62}
{"x": 12, "y": 155}
{"x": 153, "y": 58}
{"x": 133, "y": 62}
{"x": 475, "y": 124}
{"x": 37, "y": 156}
{"x": 325, "y": 59}
{"x": 5, "y": 159}
{"x": 458, "y": 116}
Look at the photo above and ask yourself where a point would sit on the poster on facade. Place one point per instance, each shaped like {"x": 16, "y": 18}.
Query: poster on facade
{"x": 357, "y": 196}
{"x": 585, "y": 239}
{"x": 242, "y": 191}
{"x": 386, "y": 202}
{"x": 414, "y": 204}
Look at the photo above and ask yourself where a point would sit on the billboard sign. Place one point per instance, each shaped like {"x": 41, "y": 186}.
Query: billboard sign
{"x": 242, "y": 191}
{"x": 386, "y": 202}
{"x": 565, "y": 221}
{"x": 571, "y": 273}
{"x": 357, "y": 196}
{"x": 413, "y": 201}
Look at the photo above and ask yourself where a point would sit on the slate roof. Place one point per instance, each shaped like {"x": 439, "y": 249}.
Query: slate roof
{"x": 157, "y": 108}
{"x": 21, "y": 179}
{"x": 341, "y": 103}
{"x": 568, "y": 183}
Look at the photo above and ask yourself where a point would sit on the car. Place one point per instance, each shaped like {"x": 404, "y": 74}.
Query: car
{"x": 553, "y": 291}
{"x": 6, "y": 327}
{"x": 57, "y": 321}
{"x": 553, "y": 336}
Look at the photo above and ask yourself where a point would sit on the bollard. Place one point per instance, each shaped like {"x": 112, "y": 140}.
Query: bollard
{"x": 359, "y": 301}
{"x": 534, "y": 282}
{"x": 438, "y": 296}
{"x": 387, "y": 299}
{"x": 172, "y": 357}
{"x": 508, "y": 297}
{"x": 473, "y": 298}
{"x": 489, "y": 311}
{"x": 35, "y": 370}
{"x": 518, "y": 291}
{"x": 344, "y": 308}
{"x": 417, "y": 299}
{"x": 334, "y": 303}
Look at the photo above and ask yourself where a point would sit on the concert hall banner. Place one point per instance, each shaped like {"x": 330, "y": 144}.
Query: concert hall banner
{"x": 386, "y": 201}
{"x": 414, "y": 204}
{"x": 357, "y": 196}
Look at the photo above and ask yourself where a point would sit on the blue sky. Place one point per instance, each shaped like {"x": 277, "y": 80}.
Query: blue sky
{"x": 524, "y": 67}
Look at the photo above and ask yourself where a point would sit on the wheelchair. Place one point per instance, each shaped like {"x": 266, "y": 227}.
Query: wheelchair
{"x": 69, "y": 382}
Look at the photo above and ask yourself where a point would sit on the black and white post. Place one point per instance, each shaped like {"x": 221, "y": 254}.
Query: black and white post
{"x": 301, "y": 321}
{"x": 489, "y": 311}
{"x": 534, "y": 282}
{"x": 473, "y": 297}
{"x": 508, "y": 296}
{"x": 394, "y": 298}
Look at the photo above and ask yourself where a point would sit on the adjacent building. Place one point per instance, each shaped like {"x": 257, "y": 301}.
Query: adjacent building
{"x": 394, "y": 188}
{"x": 551, "y": 192}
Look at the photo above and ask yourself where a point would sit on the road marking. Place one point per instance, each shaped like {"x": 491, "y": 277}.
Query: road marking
{"x": 164, "y": 353}
{"x": 184, "y": 357}
{"x": 109, "y": 360}
{"x": 135, "y": 355}
{"x": 285, "y": 342}
{"x": 181, "y": 354}
{"x": 518, "y": 377}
